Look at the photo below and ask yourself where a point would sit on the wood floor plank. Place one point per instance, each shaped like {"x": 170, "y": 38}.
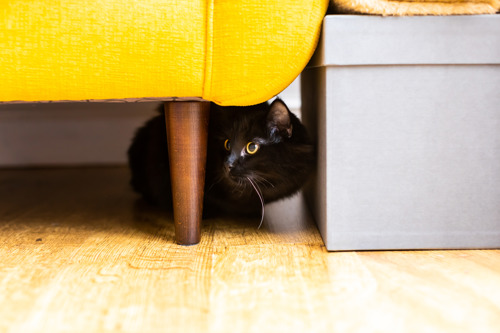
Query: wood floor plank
{"x": 79, "y": 252}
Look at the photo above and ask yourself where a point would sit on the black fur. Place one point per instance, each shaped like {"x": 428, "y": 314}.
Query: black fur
{"x": 279, "y": 168}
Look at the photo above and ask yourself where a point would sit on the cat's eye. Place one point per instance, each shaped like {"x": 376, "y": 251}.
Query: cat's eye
{"x": 252, "y": 147}
{"x": 227, "y": 145}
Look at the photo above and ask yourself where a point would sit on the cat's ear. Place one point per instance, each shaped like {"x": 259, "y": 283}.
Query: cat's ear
{"x": 278, "y": 119}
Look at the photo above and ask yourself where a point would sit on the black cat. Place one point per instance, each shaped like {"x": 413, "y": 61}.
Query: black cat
{"x": 256, "y": 154}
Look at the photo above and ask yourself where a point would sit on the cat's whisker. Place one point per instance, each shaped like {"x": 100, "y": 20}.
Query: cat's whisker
{"x": 260, "y": 183}
{"x": 267, "y": 181}
{"x": 256, "y": 188}
{"x": 217, "y": 180}
{"x": 240, "y": 187}
{"x": 262, "y": 180}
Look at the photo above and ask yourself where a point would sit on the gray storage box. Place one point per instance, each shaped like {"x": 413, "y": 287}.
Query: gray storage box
{"x": 406, "y": 112}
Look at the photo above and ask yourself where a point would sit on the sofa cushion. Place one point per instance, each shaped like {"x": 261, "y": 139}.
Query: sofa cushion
{"x": 235, "y": 52}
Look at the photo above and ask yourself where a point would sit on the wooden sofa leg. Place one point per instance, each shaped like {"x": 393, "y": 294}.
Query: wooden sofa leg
{"x": 187, "y": 129}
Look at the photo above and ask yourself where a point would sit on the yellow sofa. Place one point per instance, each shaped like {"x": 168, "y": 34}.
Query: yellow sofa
{"x": 187, "y": 52}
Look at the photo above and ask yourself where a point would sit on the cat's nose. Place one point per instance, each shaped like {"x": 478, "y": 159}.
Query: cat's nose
{"x": 230, "y": 162}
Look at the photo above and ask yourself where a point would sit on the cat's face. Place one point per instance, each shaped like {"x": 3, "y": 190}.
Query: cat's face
{"x": 252, "y": 148}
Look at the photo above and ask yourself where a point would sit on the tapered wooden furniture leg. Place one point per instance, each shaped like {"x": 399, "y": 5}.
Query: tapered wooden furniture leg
{"x": 187, "y": 129}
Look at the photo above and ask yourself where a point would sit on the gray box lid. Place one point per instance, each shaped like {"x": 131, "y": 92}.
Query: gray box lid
{"x": 376, "y": 40}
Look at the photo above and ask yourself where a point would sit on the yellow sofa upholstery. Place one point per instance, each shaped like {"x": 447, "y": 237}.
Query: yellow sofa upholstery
{"x": 232, "y": 52}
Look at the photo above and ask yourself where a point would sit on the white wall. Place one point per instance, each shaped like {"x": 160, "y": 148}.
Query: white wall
{"x": 291, "y": 95}
{"x": 79, "y": 133}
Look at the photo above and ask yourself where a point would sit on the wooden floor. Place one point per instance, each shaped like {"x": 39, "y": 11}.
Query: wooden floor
{"x": 80, "y": 253}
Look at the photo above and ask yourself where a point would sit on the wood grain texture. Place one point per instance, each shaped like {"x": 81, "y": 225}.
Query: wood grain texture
{"x": 187, "y": 129}
{"x": 79, "y": 252}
